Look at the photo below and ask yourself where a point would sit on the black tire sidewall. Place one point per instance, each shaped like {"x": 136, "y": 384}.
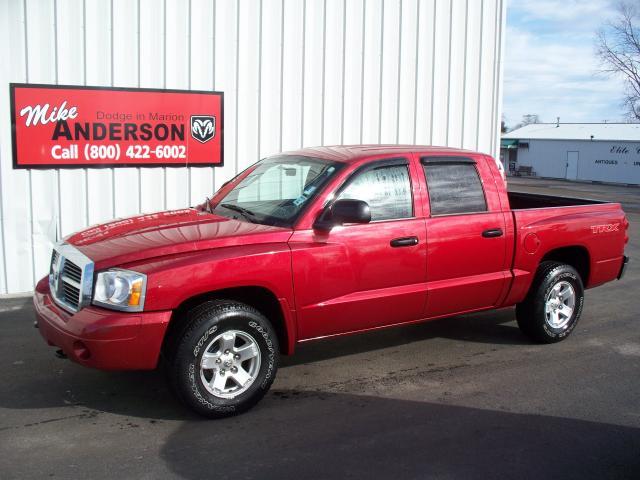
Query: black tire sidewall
{"x": 207, "y": 325}
{"x": 553, "y": 277}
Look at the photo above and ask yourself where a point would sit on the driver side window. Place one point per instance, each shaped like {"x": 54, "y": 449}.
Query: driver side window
{"x": 387, "y": 190}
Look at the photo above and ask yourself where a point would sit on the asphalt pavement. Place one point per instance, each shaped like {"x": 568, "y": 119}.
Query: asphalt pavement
{"x": 461, "y": 398}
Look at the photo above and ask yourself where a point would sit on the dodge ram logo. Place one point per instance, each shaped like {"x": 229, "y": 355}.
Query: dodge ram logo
{"x": 203, "y": 127}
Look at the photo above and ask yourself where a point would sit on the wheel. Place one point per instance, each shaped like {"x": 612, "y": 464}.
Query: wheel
{"x": 553, "y": 305}
{"x": 224, "y": 360}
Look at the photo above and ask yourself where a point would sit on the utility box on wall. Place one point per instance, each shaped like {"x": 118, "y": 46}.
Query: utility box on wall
{"x": 294, "y": 73}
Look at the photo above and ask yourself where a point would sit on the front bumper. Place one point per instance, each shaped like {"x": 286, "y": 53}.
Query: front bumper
{"x": 100, "y": 338}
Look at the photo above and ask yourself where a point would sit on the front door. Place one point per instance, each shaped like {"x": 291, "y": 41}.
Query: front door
{"x": 356, "y": 277}
{"x": 572, "y": 165}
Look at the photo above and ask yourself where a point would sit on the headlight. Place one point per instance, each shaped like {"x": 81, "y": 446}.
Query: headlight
{"x": 120, "y": 290}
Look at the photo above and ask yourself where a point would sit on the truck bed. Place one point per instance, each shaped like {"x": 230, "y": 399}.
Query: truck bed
{"x": 522, "y": 200}
{"x": 594, "y": 231}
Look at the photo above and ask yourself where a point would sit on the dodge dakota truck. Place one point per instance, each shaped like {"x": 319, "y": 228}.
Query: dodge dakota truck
{"x": 317, "y": 243}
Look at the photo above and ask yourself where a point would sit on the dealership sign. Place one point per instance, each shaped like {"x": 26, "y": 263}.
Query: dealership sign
{"x": 69, "y": 126}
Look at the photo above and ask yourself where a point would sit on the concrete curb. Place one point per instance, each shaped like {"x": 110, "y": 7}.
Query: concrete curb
{"x": 10, "y": 296}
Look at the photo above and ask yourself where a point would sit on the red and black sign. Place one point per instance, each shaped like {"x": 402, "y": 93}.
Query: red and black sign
{"x": 71, "y": 126}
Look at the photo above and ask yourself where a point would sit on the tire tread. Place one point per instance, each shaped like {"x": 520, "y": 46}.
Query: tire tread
{"x": 196, "y": 318}
{"x": 527, "y": 314}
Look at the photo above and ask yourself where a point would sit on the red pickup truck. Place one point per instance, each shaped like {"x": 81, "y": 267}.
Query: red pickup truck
{"x": 315, "y": 243}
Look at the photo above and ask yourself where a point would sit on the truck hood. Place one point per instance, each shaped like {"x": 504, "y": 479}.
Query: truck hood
{"x": 167, "y": 233}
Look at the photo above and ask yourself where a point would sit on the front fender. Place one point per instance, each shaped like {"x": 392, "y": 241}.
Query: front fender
{"x": 173, "y": 279}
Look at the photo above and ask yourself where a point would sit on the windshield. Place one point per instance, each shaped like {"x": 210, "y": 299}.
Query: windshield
{"x": 277, "y": 191}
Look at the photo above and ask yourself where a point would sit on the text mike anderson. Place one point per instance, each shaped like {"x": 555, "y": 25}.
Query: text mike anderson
{"x": 99, "y": 130}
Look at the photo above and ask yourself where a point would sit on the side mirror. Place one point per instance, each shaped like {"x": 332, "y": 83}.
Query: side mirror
{"x": 344, "y": 211}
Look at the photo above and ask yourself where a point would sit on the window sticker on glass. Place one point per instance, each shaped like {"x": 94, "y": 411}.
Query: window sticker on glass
{"x": 387, "y": 190}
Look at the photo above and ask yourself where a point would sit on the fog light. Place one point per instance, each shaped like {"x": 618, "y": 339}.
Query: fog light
{"x": 81, "y": 351}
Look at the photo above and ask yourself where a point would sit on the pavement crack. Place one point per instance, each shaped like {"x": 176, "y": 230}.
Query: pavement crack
{"x": 91, "y": 414}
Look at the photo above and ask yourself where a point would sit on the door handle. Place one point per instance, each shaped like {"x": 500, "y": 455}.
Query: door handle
{"x": 492, "y": 232}
{"x": 404, "y": 242}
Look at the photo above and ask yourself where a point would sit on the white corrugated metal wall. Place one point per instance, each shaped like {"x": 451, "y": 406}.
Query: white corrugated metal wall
{"x": 295, "y": 73}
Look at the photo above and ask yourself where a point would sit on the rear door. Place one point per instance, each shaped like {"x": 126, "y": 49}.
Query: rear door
{"x": 363, "y": 276}
{"x": 466, "y": 248}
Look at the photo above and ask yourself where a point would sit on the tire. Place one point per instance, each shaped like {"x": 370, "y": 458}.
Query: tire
{"x": 553, "y": 305}
{"x": 206, "y": 378}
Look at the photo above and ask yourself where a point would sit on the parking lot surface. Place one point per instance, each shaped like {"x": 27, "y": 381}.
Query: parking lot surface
{"x": 468, "y": 397}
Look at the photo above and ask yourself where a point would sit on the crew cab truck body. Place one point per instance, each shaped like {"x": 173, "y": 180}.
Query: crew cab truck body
{"x": 316, "y": 243}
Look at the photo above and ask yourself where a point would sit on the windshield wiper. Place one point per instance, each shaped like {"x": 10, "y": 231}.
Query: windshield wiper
{"x": 245, "y": 212}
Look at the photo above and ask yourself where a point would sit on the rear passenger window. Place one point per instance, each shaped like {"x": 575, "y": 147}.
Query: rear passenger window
{"x": 387, "y": 190}
{"x": 454, "y": 188}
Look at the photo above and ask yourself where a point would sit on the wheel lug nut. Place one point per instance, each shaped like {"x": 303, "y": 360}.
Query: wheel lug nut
{"x": 234, "y": 369}
{"x": 226, "y": 352}
{"x": 236, "y": 356}
{"x": 222, "y": 372}
{"x": 218, "y": 360}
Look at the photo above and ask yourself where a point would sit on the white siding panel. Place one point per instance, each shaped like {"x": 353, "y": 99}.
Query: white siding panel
{"x": 249, "y": 82}
{"x": 177, "y": 24}
{"x": 441, "y": 65}
{"x": 314, "y": 72}
{"x": 202, "y": 78}
{"x": 152, "y": 47}
{"x": 17, "y": 256}
{"x": 498, "y": 74}
{"x": 294, "y": 73}
{"x": 353, "y": 72}
{"x": 471, "y": 79}
{"x": 333, "y": 73}
{"x": 372, "y": 67}
{"x": 456, "y": 72}
{"x": 152, "y": 75}
{"x": 423, "y": 133}
{"x": 389, "y": 73}
{"x": 408, "y": 70}
{"x": 271, "y": 79}
{"x": 226, "y": 67}
{"x": 486, "y": 142}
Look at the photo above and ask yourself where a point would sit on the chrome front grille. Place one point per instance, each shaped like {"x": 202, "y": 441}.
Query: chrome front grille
{"x": 71, "y": 285}
{"x": 70, "y": 277}
{"x": 72, "y": 271}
